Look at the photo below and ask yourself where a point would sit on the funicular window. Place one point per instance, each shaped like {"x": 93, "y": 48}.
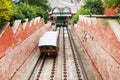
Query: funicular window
{"x": 42, "y": 48}
{"x": 47, "y": 47}
{"x": 54, "y": 47}
{"x": 51, "y": 47}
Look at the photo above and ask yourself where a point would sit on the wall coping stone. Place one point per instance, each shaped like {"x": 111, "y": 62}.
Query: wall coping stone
{"x": 25, "y": 23}
{"x": 16, "y": 25}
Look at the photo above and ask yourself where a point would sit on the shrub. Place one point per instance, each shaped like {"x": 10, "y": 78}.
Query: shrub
{"x": 112, "y": 3}
{"x": 95, "y": 6}
{"x": 118, "y": 19}
{"x": 6, "y": 10}
{"x": 11, "y": 12}
{"x": 24, "y": 10}
{"x": 43, "y": 5}
{"x": 27, "y": 10}
{"x": 118, "y": 11}
{"x": 17, "y": 15}
{"x": 90, "y": 7}
{"x": 31, "y": 11}
{"x": 38, "y": 11}
{"x": 81, "y": 11}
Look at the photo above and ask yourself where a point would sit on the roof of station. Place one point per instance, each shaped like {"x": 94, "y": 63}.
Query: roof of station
{"x": 61, "y": 15}
{"x": 65, "y": 11}
{"x": 64, "y": 3}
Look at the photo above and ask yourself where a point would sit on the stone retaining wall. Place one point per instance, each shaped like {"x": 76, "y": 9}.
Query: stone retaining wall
{"x": 17, "y": 44}
{"x": 100, "y": 38}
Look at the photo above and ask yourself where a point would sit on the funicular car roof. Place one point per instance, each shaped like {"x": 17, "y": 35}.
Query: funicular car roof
{"x": 49, "y": 39}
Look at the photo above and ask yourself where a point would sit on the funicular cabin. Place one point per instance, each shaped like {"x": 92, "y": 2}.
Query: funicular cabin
{"x": 48, "y": 43}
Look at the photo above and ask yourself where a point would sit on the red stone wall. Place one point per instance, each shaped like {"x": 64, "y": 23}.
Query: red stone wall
{"x": 17, "y": 46}
{"x": 102, "y": 47}
{"x": 109, "y": 11}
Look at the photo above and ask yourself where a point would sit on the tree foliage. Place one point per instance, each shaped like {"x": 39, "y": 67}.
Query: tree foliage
{"x": 10, "y": 11}
{"x": 25, "y": 10}
{"x": 111, "y": 3}
{"x": 94, "y": 7}
{"x": 81, "y": 11}
{"x": 6, "y": 10}
{"x": 43, "y": 4}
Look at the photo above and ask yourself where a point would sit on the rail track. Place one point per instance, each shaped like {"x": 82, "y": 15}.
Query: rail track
{"x": 64, "y": 66}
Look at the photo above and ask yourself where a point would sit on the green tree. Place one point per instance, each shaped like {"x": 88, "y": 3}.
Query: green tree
{"x": 112, "y": 3}
{"x": 95, "y": 6}
{"x": 6, "y": 10}
{"x": 17, "y": 15}
{"x": 90, "y": 7}
{"x": 43, "y": 4}
{"x": 81, "y": 11}
{"x": 25, "y": 10}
